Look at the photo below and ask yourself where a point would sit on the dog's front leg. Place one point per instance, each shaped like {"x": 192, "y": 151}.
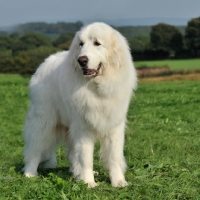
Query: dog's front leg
{"x": 112, "y": 155}
{"x": 80, "y": 154}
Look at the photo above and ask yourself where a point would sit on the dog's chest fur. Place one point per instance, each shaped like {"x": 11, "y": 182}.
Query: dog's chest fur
{"x": 98, "y": 112}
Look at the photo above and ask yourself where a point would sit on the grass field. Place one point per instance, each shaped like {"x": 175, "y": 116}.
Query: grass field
{"x": 162, "y": 148}
{"x": 173, "y": 64}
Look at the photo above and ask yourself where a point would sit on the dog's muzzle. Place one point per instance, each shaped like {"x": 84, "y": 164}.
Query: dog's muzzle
{"x": 83, "y": 62}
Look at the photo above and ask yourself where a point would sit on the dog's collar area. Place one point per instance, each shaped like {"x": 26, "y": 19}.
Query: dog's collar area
{"x": 91, "y": 72}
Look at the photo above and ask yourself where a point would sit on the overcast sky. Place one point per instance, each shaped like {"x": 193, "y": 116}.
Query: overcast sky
{"x": 13, "y": 12}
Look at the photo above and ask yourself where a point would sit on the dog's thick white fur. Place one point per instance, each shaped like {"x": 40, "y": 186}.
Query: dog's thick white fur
{"x": 80, "y": 96}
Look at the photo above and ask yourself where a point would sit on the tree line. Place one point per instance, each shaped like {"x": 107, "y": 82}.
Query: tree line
{"x": 22, "y": 51}
{"x": 167, "y": 41}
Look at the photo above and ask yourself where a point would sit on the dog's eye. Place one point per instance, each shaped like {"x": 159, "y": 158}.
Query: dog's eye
{"x": 96, "y": 43}
{"x": 81, "y": 44}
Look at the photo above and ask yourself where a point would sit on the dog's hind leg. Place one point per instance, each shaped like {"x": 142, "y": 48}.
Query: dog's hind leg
{"x": 49, "y": 157}
{"x": 59, "y": 135}
{"x": 39, "y": 137}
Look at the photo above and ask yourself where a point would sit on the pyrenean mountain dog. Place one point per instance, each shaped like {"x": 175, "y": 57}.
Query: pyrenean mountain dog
{"x": 77, "y": 97}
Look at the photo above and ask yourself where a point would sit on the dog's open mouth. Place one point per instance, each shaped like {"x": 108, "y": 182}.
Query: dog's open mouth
{"x": 91, "y": 72}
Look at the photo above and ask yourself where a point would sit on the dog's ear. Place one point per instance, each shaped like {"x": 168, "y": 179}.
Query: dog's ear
{"x": 75, "y": 41}
{"x": 120, "y": 49}
{"x": 74, "y": 49}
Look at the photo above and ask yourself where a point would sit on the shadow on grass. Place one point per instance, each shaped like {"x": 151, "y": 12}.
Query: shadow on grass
{"x": 64, "y": 173}
{"x": 18, "y": 167}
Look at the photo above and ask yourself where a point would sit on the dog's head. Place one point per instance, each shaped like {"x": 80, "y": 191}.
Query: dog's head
{"x": 97, "y": 47}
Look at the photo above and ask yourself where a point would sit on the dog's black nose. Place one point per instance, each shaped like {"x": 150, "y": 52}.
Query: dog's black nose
{"x": 83, "y": 61}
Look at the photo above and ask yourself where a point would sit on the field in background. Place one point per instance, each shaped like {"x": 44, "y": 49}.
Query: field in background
{"x": 168, "y": 70}
{"x": 162, "y": 148}
{"x": 173, "y": 64}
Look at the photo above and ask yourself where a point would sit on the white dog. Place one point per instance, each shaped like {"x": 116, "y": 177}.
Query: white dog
{"x": 77, "y": 97}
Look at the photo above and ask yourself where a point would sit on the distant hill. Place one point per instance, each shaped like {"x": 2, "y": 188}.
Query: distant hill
{"x": 55, "y": 29}
{"x": 132, "y": 31}
{"x": 49, "y": 28}
{"x": 62, "y": 27}
{"x": 141, "y": 21}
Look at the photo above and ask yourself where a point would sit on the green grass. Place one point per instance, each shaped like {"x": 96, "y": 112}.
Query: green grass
{"x": 173, "y": 64}
{"x": 162, "y": 148}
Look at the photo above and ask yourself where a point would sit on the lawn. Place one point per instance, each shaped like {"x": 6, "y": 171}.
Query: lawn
{"x": 173, "y": 64}
{"x": 162, "y": 148}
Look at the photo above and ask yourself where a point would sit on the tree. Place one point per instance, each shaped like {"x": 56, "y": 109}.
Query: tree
{"x": 167, "y": 38}
{"x": 64, "y": 41}
{"x": 34, "y": 40}
{"x": 139, "y": 43}
{"x": 192, "y": 36}
{"x": 5, "y": 42}
{"x": 30, "y": 41}
{"x": 28, "y": 61}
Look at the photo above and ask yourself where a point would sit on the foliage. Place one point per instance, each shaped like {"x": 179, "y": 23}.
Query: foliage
{"x": 139, "y": 43}
{"x": 23, "y": 50}
{"x": 26, "y": 62}
{"x": 166, "y": 37}
{"x": 64, "y": 41}
{"x": 132, "y": 31}
{"x": 46, "y": 28}
{"x": 192, "y": 36}
{"x": 161, "y": 148}
{"x": 5, "y": 42}
{"x": 30, "y": 41}
{"x": 23, "y": 54}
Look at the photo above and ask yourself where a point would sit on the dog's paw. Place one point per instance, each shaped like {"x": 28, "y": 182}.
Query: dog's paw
{"x": 92, "y": 184}
{"x": 30, "y": 175}
{"x": 119, "y": 183}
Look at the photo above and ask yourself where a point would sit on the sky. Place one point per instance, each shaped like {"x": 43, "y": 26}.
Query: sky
{"x": 14, "y": 12}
